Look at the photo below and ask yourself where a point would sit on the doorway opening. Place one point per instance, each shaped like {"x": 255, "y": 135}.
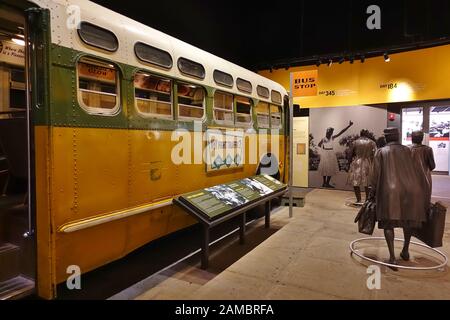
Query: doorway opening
{"x": 434, "y": 120}
{"x": 17, "y": 245}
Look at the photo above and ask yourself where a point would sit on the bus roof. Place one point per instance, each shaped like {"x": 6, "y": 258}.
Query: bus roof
{"x": 130, "y": 32}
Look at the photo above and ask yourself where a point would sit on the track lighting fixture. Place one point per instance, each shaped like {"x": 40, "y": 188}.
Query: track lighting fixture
{"x": 318, "y": 63}
{"x": 352, "y": 59}
{"x": 341, "y": 61}
{"x": 330, "y": 62}
{"x": 386, "y": 57}
{"x": 363, "y": 58}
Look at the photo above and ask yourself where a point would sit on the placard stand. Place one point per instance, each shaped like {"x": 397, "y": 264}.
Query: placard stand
{"x": 209, "y": 222}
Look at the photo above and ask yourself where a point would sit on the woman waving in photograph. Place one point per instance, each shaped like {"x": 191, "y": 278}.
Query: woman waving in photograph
{"x": 328, "y": 166}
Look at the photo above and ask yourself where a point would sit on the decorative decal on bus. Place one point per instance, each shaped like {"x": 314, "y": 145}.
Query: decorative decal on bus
{"x": 224, "y": 150}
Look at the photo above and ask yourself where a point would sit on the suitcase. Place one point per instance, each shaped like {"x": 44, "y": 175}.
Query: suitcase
{"x": 432, "y": 231}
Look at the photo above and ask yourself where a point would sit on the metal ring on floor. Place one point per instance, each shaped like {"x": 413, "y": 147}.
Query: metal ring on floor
{"x": 442, "y": 265}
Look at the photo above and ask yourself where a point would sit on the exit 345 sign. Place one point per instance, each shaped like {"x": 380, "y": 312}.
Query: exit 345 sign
{"x": 304, "y": 83}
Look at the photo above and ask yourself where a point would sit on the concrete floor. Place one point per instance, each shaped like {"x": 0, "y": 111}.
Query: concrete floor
{"x": 306, "y": 257}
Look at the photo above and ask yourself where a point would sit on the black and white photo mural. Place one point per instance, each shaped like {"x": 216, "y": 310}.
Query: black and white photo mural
{"x": 331, "y": 134}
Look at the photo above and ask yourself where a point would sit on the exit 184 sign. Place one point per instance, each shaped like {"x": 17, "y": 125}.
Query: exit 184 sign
{"x": 304, "y": 83}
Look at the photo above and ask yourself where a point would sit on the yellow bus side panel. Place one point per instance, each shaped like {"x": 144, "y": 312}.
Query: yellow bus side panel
{"x": 45, "y": 244}
{"x": 98, "y": 171}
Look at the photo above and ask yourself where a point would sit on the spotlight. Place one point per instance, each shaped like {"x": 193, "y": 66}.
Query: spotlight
{"x": 352, "y": 59}
{"x": 341, "y": 61}
{"x": 363, "y": 58}
{"x": 270, "y": 70}
{"x": 318, "y": 63}
{"x": 386, "y": 58}
{"x": 330, "y": 62}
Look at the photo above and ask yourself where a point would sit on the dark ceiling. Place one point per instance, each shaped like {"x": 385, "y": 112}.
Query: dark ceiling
{"x": 259, "y": 35}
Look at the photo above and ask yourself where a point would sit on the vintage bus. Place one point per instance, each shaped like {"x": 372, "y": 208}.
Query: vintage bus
{"x": 88, "y": 103}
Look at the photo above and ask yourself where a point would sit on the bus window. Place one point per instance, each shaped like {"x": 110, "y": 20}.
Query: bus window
{"x": 263, "y": 114}
{"x": 153, "y": 95}
{"x": 223, "y": 108}
{"x": 191, "y": 101}
{"x": 152, "y": 55}
{"x": 263, "y": 92}
{"x": 17, "y": 93}
{"x": 244, "y": 85}
{"x": 191, "y": 68}
{"x": 276, "y": 97}
{"x": 243, "y": 111}
{"x": 98, "y": 86}
{"x": 275, "y": 115}
{"x": 98, "y": 37}
{"x": 223, "y": 78}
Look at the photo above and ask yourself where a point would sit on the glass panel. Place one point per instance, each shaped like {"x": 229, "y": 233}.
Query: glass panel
{"x": 98, "y": 37}
{"x": 191, "y": 68}
{"x": 153, "y": 55}
{"x": 223, "y": 78}
{"x": 263, "y": 92}
{"x": 276, "y": 97}
{"x": 223, "y": 108}
{"x": 263, "y": 114}
{"x": 244, "y": 85}
{"x": 191, "y": 100}
{"x": 17, "y": 89}
{"x": 97, "y": 83}
{"x": 243, "y": 110}
{"x": 439, "y": 137}
{"x": 275, "y": 115}
{"x": 153, "y": 95}
{"x": 412, "y": 120}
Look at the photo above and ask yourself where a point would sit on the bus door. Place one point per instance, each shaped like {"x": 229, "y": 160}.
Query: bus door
{"x": 17, "y": 246}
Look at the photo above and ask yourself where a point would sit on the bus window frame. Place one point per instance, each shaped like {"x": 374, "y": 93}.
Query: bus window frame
{"x": 224, "y": 123}
{"x": 269, "y": 117}
{"x": 243, "y": 124}
{"x": 149, "y": 63}
{"x": 223, "y": 84}
{"x": 190, "y": 119}
{"x": 96, "y": 46}
{"x": 281, "y": 126}
{"x": 172, "y": 97}
{"x": 100, "y": 111}
{"x": 187, "y": 74}
{"x": 239, "y": 79}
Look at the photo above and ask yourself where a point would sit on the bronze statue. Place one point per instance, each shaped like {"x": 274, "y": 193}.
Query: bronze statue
{"x": 399, "y": 191}
{"x": 424, "y": 157}
{"x": 362, "y": 151}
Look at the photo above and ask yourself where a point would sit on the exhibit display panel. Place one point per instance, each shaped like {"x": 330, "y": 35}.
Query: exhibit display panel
{"x": 217, "y": 201}
{"x": 439, "y": 137}
{"x": 438, "y": 118}
{"x": 332, "y": 157}
{"x": 301, "y": 151}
